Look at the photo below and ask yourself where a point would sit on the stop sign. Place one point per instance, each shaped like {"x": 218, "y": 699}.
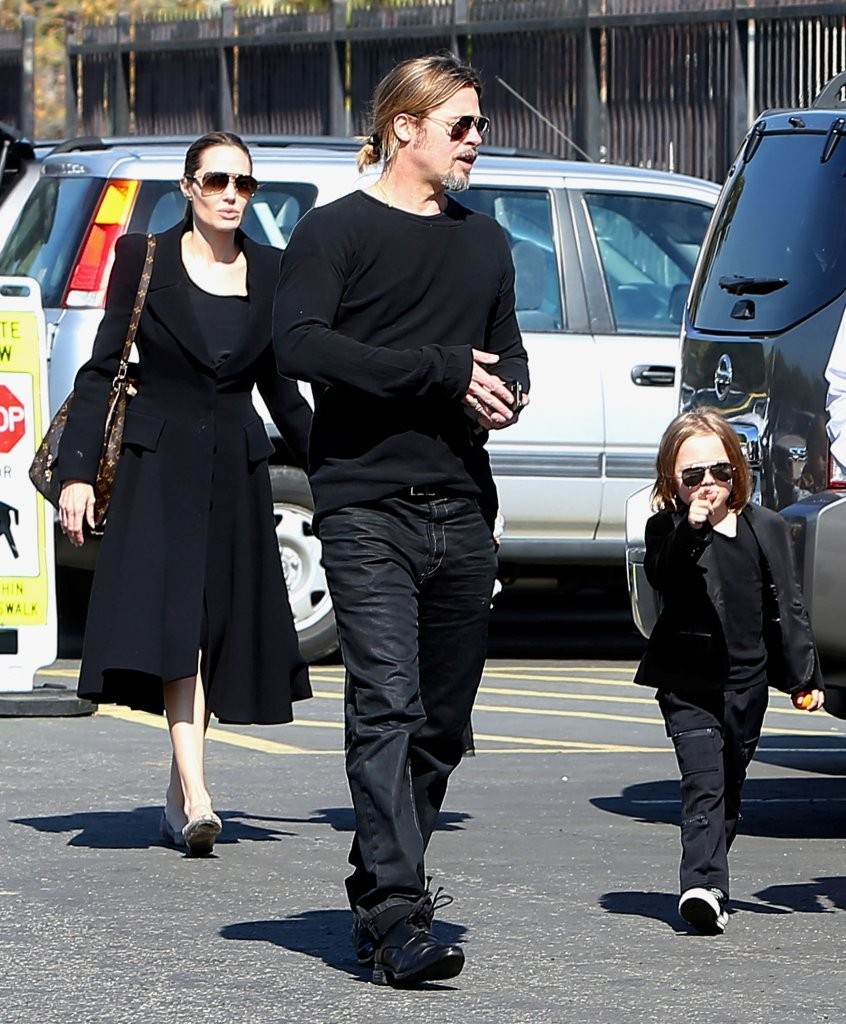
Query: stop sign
{"x": 12, "y": 423}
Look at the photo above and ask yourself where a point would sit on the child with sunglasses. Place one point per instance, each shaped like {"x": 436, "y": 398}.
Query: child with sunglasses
{"x": 733, "y": 622}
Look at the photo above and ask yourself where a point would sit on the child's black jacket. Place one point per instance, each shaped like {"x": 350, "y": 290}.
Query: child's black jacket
{"x": 687, "y": 649}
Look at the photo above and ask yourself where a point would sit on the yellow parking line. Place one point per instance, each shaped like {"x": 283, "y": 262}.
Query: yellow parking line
{"x": 558, "y": 713}
{"x": 274, "y": 746}
{"x": 571, "y": 746}
{"x": 503, "y": 691}
{"x": 492, "y": 665}
{"x": 234, "y": 739}
{"x": 562, "y": 678}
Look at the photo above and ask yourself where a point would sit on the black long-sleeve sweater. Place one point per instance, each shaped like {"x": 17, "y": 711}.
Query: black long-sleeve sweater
{"x": 379, "y": 310}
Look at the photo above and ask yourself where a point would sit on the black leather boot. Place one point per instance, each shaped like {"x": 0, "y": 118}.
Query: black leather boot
{"x": 409, "y": 955}
{"x": 422, "y": 914}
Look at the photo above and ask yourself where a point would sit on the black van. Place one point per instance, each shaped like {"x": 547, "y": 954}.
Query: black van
{"x": 767, "y": 302}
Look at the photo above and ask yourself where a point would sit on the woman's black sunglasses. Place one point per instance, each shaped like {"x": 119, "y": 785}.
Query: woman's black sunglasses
{"x": 694, "y": 475}
{"x": 213, "y": 183}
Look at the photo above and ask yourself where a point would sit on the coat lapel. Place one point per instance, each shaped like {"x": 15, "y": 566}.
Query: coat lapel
{"x": 167, "y": 299}
{"x": 262, "y": 277}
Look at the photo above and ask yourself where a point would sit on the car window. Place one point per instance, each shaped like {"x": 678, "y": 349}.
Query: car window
{"x": 49, "y": 231}
{"x": 526, "y": 216}
{"x": 647, "y": 246}
{"x": 269, "y": 219}
{"x": 781, "y": 228}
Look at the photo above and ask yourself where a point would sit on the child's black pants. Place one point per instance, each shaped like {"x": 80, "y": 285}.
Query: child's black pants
{"x": 715, "y": 736}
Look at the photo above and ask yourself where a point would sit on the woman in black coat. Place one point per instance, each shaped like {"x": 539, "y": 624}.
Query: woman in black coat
{"x": 189, "y": 611}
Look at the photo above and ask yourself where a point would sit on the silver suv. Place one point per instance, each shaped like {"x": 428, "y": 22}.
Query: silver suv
{"x": 764, "y": 344}
{"x": 603, "y": 258}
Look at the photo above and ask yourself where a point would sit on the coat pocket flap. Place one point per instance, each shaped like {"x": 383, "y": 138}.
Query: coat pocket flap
{"x": 259, "y": 445}
{"x": 142, "y": 430}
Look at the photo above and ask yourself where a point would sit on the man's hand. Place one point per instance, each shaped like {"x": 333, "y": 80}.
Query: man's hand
{"x": 76, "y": 506}
{"x": 486, "y": 395}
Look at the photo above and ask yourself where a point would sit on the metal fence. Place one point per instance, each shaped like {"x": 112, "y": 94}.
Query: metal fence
{"x": 17, "y": 65}
{"x": 660, "y": 83}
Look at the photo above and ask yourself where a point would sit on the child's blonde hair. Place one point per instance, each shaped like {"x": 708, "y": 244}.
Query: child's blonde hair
{"x": 690, "y": 424}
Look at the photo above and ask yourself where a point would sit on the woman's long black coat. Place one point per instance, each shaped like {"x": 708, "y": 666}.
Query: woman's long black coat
{"x": 189, "y": 559}
{"x": 687, "y": 649}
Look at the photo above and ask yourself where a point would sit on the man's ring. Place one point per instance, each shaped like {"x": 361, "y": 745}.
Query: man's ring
{"x": 477, "y": 405}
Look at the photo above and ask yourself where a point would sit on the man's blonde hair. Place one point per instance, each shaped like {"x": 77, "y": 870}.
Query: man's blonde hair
{"x": 413, "y": 87}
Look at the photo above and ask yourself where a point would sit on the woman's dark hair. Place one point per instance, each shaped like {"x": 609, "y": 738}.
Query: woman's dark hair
{"x": 194, "y": 156}
{"x": 692, "y": 424}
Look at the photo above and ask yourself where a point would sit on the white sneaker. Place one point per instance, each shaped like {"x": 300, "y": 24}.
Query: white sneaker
{"x": 705, "y": 909}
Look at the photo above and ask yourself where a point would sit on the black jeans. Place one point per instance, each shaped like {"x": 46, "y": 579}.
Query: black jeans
{"x": 411, "y": 583}
{"x": 715, "y": 736}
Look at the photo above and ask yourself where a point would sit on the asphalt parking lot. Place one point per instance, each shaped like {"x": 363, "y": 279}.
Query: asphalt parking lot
{"x": 558, "y": 843}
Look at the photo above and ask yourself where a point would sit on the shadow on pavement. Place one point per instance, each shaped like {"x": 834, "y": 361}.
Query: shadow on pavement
{"x": 342, "y": 819}
{"x": 660, "y": 906}
{"x": 324, "y": 934}
{"x": 663, "y": 906}
{"x": 816, "y": 896}
{"x": 581, "y": 620}
{"x": 139, "y": 829}
{"x": 825, "y": 755}
{"x": 787, "y": 808}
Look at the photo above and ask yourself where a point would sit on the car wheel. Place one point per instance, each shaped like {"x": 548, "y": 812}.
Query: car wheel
{"x": 299, "y": 550}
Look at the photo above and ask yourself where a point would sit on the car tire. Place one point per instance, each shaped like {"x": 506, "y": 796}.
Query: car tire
{"x": 299, "y": 549}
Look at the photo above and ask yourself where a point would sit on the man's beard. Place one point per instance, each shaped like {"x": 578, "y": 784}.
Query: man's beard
{"x": 455, "y": 182}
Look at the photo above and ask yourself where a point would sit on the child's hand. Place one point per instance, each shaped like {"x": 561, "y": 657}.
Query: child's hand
{"x": 808, "y": 700}
{"x": 698, "y": 512}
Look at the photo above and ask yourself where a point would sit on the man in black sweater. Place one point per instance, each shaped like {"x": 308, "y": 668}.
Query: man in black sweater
{"x": 397, "y": 305}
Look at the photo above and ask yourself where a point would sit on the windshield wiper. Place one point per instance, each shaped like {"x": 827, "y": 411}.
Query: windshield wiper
{"x": 737, "y": 285}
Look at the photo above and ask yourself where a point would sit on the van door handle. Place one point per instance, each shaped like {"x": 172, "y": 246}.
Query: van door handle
{"x": 654, "y": 376}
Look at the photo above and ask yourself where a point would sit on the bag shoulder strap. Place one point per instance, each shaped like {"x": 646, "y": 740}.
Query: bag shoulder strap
{"x": 138, "y": 307}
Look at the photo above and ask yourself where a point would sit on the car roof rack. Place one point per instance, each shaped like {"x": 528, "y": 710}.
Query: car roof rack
{"x": 345, "y": 143}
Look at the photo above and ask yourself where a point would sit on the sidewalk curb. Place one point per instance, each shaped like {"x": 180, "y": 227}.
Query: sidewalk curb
{"x": 46, "y": 700}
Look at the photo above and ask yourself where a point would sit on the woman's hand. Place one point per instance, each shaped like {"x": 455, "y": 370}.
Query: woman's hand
{"x": 808, "y": 700}
{"x": 76, "y": 507}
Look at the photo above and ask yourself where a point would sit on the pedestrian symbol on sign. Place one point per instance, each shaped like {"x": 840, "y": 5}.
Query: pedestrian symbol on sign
{"x": 7, "y": 513}
{"x": 12, "y": 420}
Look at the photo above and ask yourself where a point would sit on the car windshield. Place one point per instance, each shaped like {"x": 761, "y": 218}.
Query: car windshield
{"x": 51, "y": 228}
{"x": 777, "y": 253}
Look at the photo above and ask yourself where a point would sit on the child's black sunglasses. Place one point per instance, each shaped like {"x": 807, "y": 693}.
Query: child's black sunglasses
{"x": 694, "y": 475}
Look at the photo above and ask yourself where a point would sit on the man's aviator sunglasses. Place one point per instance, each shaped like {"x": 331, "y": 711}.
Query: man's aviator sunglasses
{"x": 213, "y": 183}
{"x": 458, "y": 129}
{"x": 694, "y": 475}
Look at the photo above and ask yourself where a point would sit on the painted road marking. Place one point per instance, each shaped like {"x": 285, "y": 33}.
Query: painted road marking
{"x": 520, "y": 743}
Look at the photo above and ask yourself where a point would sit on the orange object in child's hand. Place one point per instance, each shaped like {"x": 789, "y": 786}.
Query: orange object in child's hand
{"x": 803, "y": 701}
